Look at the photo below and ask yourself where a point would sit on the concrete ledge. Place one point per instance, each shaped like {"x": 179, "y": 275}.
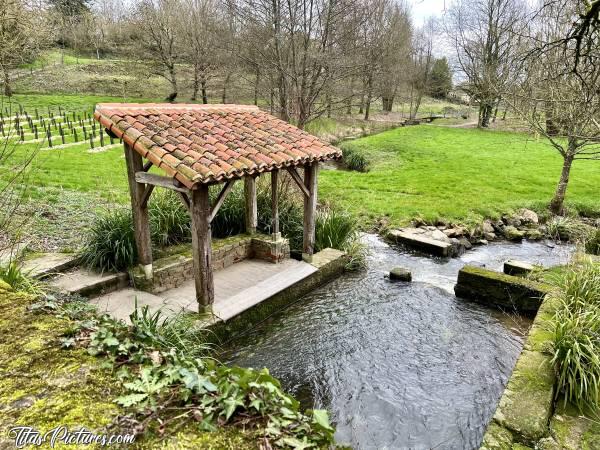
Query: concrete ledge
{"x": 428, "y": 245}
{"x": 90, "y": 284}
{"x": 514, "y": 267}
{"x": 50, "y": 264}
{"x": 330, "y": 264}
{"x": 500, "y": 290}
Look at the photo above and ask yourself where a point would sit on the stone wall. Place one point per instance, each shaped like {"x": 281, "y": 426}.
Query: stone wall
{"x": 177, "y": 266}
{"x": 330, "y": 263}
{"x": 529, "y": 416}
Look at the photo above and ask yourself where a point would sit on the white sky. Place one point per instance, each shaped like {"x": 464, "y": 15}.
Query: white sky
{"x": 422, "y": 9}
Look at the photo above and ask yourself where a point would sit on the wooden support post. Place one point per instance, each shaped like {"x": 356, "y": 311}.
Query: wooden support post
{"x": 251, "y": 210}
{"x": 201, "y": 248}
{"x": 310, "y": 210}
{"x": 139, "y": 209}
{"x": 275, "y": 205}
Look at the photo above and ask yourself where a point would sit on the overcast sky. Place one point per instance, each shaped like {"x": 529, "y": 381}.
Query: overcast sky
{"x": 422, "y": 9}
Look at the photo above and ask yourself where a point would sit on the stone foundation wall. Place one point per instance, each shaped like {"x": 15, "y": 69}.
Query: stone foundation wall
{"x": 529, "y": 414}
{"x": 173, "y": 270}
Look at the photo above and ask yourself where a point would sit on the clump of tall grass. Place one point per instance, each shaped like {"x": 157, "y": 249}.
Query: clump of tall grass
{"x": 576, "y": 338}
{"x": 592, "y": 244}
{"x": 338, "y": 229}
{"x": 355, "y": 160}
{"x": 567, "y": 229}
{"x": 179, "y": 332}
{"x": 19, "y": 279}
{"x": 110, "y": 243}
{"x": 169, "y": 220}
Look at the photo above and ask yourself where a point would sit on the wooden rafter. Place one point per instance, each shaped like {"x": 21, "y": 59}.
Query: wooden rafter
{"x": 158, "y": 180}
{"x": 220, "y": 199}
{"x": 296, "y": 177}
{"x": 146, "y": 196}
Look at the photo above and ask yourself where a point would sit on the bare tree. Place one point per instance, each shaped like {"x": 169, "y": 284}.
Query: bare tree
{"x": 200, "y": 29}
{"x": 485, "y": 36}
{"x": 22, "y": 37}
{"x": 558, "y": 93}
{"x": 160, "y": 38}
{"x": 421, "y": 65}
{"x": 301, "y": 50}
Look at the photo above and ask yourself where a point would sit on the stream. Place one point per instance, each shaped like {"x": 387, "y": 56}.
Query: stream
{"x": 398, "y": 365}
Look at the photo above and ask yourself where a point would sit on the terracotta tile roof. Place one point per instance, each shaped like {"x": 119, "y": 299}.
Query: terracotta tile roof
{"x": 210, "y": 143}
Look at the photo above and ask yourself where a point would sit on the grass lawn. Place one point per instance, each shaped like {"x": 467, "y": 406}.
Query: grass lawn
{"x": 452, "y": 173}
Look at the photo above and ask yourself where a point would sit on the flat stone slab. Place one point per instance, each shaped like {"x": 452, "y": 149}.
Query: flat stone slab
{"x": 87, "y": 283}
{"x": 515, "y": 267}
{"x": 237, "y": 288}
{"x": 500, "y": 290}
{"x": 120, "y": 304}
{"x": 418, "y": 241}
{"x": 49, "y": 264}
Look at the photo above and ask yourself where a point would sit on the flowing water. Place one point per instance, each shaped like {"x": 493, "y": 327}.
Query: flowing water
{"x": 398, "y": 365}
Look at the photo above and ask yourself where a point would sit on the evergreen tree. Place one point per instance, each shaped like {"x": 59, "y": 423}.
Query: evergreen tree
{"x": 440, "y": 81}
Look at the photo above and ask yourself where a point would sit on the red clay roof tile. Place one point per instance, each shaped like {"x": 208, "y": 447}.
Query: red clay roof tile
{"x": 210, "y": 143}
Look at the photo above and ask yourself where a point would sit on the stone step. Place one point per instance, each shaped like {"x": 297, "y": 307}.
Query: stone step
{"x": 499, "y": 290}
{"x": 49, "y": 264}
{"x": 517, "y": 268}
{"x": 89, "y": 284}
{"x": 421, "y": 242}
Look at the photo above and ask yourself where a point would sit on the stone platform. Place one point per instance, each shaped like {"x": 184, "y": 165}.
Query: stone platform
{"x": 237, "y": 288}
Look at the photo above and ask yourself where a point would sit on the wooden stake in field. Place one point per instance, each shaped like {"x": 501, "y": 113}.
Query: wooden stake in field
{"x": 49, "y": 136}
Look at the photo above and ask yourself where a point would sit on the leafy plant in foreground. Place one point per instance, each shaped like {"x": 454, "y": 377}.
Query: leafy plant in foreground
{"x": 165, "y": 381}
{"x": 592, "y": 244}
{"x": 576, "y": 338}
{"x": 19, "y": 279}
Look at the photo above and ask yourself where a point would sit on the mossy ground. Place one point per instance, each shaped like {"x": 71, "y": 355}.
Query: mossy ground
{"x": 44, "y": 386}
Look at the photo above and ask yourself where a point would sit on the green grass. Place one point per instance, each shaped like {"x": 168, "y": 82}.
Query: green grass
{"x": 457, "y": 174}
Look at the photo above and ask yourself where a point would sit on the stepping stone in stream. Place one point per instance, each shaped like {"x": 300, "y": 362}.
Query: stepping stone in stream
{"x": 400, "y": 274}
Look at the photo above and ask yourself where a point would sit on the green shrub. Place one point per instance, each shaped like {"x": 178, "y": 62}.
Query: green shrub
{"x": 164, "y": 381}
{"x": 567, "y": 229}
{"x": 19, "y": 280}
{"x": 576, "y": 338}
{"x": 338, "y": 229}
{"x": 592, "y": 244}
{"x": 355, "y": 160}
{"x": 180, "y": 332}
{"x": 110, "y": 243}
{"x": 170, "y": 221}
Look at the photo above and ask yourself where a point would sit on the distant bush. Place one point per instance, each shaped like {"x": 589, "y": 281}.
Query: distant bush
{"x": 355, "y": 160}
{"x": 577, "y": 337}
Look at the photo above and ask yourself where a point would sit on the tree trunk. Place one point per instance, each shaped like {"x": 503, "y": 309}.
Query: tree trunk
{"x": 225, "y": 84}
{"x": 203, "y": 89}
{"x": 556, "y": 205}
{"x": 485, "y": 111}
{"x": 173, "y": 80}
{"x": 7, "y": 88}
{"x": 368, "y": 100}
{"x": 256, "y": 82}
{"x": 388, "y": 102}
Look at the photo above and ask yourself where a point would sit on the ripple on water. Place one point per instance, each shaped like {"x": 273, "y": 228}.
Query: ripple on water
{"x": 397, "y": 365}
